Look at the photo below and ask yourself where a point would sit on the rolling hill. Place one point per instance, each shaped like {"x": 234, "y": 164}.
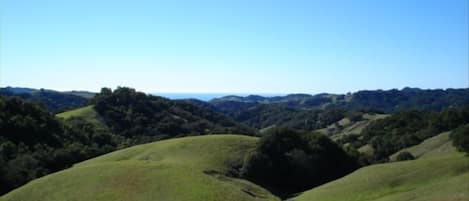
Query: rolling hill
{"x": 190, "y": 168}
{"x": 34, "y": 143}
{"x": 200, "y": 168}
{"x": 441, "y": 175}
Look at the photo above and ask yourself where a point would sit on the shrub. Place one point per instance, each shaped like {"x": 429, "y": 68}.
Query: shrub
{"x": 404, "y": 156}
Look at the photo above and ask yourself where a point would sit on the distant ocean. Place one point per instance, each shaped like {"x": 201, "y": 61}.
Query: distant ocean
{"x": 207, "y": 96}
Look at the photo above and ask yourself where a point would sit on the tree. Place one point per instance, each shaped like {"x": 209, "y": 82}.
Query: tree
{"x": 286, "y": 161}
{"x": 460, "y": 137}
{"x": 404, "y": 156}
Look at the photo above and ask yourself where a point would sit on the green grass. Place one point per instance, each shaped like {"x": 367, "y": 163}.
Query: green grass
{"x": 190, "y": 168}
{"x": 440, "y": 176}
{"x": 434, "y": 146}
{"x": 86, "y": 112}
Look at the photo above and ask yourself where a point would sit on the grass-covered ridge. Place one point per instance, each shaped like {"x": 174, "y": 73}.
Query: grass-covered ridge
{"x": 440, "y": 174}
{"x": 88, "y": 113}
{"x": 190, "y": 168}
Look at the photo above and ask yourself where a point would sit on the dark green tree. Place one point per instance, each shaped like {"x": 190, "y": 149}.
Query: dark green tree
{"x": 460, "y": 137}
{"x": 404, "y": 156}
{"x": 286, "y": 161}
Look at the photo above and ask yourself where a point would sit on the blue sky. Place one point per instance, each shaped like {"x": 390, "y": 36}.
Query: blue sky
{"x": 240, "y": 46}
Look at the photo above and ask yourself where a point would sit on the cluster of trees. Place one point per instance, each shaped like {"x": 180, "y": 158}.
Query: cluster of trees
{"x": 287, "y": 161}
{"x": 34, "y": 143}
{"x": 132, "y": 114}
{"x": 406, "y": 128}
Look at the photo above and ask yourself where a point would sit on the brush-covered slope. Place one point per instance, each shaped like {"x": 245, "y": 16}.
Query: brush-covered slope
{"x": 346, "y": 126}
{"x": 442, "y": 176}
{"x": 190, "y": 168}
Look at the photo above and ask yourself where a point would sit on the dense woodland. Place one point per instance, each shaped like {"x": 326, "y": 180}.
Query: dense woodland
{"x": 33, "y": 142}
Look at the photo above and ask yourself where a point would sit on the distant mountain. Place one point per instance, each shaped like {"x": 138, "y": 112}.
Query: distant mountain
{"x": 262, "y": 99}
{"x": 54, "y": 101}
{"x": 84, "y": 94}
{"x": 19, "y": 90}
{"x": 388, "y": 101}
{"x": 391, "y": 101}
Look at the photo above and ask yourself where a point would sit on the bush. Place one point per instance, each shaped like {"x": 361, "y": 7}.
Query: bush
{"x": 355, "y": 116}
{"x": 404, "y": 156}
{"x": 460, "y": 137}
{"x": 286, "y": 161}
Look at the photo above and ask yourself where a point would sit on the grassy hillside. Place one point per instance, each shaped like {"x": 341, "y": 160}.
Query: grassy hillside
{"x": 88, "y": 113}
{"x": 190, "y": 168}
{"x": 430, "y": 147}
{"x": 441, "y": 175}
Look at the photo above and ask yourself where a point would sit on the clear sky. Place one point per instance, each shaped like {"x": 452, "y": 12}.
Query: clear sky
{"x": 252, "y": 46}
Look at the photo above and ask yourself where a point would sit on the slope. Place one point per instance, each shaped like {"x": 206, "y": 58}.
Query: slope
{"x": 432, "y": 146}
{"x": 442, "y": 175}
{"x": 345, "y": 126}
{"x": 87, "y": 113}
{"x": 190, "y": 168}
